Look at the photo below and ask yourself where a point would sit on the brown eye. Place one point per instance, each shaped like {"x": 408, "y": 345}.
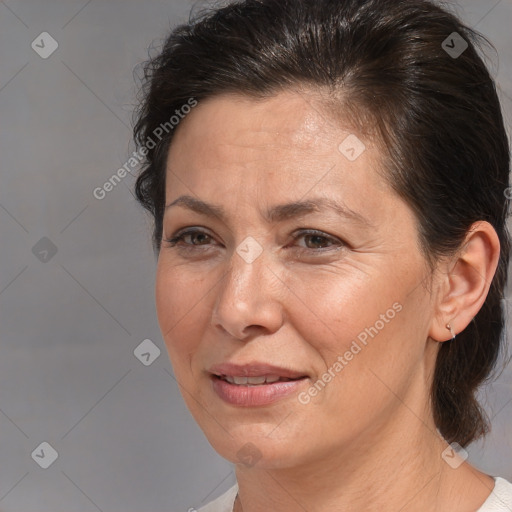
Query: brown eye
{"x": 196, "y": 237}
{"x": 316, "y": 240}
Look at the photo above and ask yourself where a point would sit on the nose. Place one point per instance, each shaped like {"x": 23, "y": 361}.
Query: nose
{"x": 248, "y": 302}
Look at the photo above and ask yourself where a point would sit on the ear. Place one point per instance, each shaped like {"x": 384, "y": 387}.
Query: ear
{"x": 464, "y": 287}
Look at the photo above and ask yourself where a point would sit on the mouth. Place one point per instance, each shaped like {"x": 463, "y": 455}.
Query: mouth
{"x": 255, "y": 384}
{"x": 240, "y": 380}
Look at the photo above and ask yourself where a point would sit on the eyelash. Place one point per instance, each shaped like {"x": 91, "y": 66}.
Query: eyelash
{"x": 179, "y": 237}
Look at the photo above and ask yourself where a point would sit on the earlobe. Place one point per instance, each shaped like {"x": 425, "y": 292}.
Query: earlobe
{"x": 449, "y": 327}
{"x": 441, "y": 337}
{"x": 466, "y": 285}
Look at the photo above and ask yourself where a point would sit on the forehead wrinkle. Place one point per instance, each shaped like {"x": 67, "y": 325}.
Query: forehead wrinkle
{"x": 274, "y": 214}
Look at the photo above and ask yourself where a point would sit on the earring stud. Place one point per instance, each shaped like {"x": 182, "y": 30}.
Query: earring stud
{"x": 449, "y": 327}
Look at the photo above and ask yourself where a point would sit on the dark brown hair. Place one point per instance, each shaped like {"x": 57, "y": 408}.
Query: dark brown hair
{"x": 436, "y": 113}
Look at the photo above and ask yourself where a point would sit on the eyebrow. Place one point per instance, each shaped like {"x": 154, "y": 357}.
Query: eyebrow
{"x": 278, "y": 213}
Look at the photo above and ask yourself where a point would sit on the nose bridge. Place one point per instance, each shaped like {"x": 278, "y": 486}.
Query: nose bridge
{"x": 244, "y": 298}
{"x": 244, "y": 280}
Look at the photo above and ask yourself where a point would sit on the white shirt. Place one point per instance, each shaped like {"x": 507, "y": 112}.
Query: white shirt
{"x": 500, "y": 499}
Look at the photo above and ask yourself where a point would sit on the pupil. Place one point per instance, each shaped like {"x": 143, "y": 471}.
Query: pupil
{"x": 317, "y": 239}
{"x": 198, "y": 235}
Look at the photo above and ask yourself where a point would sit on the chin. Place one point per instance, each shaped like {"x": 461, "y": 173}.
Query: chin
{"x": 247, "y": 446}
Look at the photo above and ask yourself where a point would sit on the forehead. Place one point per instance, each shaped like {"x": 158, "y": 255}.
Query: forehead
{"x": 239, "y": 150}
{"x": 232, "y": 122}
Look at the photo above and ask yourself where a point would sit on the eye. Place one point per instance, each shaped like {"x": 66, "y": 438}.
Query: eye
{"x": 316, "y": 240}
{"x": 197, "y": 239}
{"x": 194, "y": 235}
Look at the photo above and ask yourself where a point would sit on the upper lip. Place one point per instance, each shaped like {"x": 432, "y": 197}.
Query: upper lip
{"x": 254, "y": 370}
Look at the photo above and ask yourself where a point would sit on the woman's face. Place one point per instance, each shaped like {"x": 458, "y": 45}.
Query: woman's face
{"x": 334, "y": 295}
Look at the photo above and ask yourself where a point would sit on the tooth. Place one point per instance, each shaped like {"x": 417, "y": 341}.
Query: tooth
{"x": 256, "y": 380}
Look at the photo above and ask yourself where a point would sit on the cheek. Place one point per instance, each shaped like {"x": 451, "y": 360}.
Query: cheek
{"x": 331, "y": 309}
{"x": 355, "y": 327}
{"x": 181, "y": 299}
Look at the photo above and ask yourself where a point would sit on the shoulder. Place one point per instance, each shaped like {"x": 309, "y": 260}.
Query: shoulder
{"x": 223, "y": 503}
{"x": 500, "y": 499}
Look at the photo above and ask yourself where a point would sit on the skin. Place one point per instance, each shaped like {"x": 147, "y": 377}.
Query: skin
{"x": 367, "y": 441}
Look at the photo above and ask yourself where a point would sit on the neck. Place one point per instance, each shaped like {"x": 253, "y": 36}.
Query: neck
{"x": 383, "y": 470}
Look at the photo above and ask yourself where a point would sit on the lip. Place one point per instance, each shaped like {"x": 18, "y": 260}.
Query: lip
{"x": 254, "y": 370}
{"x": 253, "y": 396}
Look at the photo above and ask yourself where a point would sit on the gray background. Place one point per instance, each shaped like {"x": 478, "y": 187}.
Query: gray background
{"x": 70, "y": 322}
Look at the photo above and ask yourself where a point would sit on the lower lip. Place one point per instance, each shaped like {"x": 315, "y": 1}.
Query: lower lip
{"x": 251, "y": 396}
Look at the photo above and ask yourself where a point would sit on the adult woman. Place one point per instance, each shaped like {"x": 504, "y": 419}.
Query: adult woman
{"x": 332, "y": 250}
